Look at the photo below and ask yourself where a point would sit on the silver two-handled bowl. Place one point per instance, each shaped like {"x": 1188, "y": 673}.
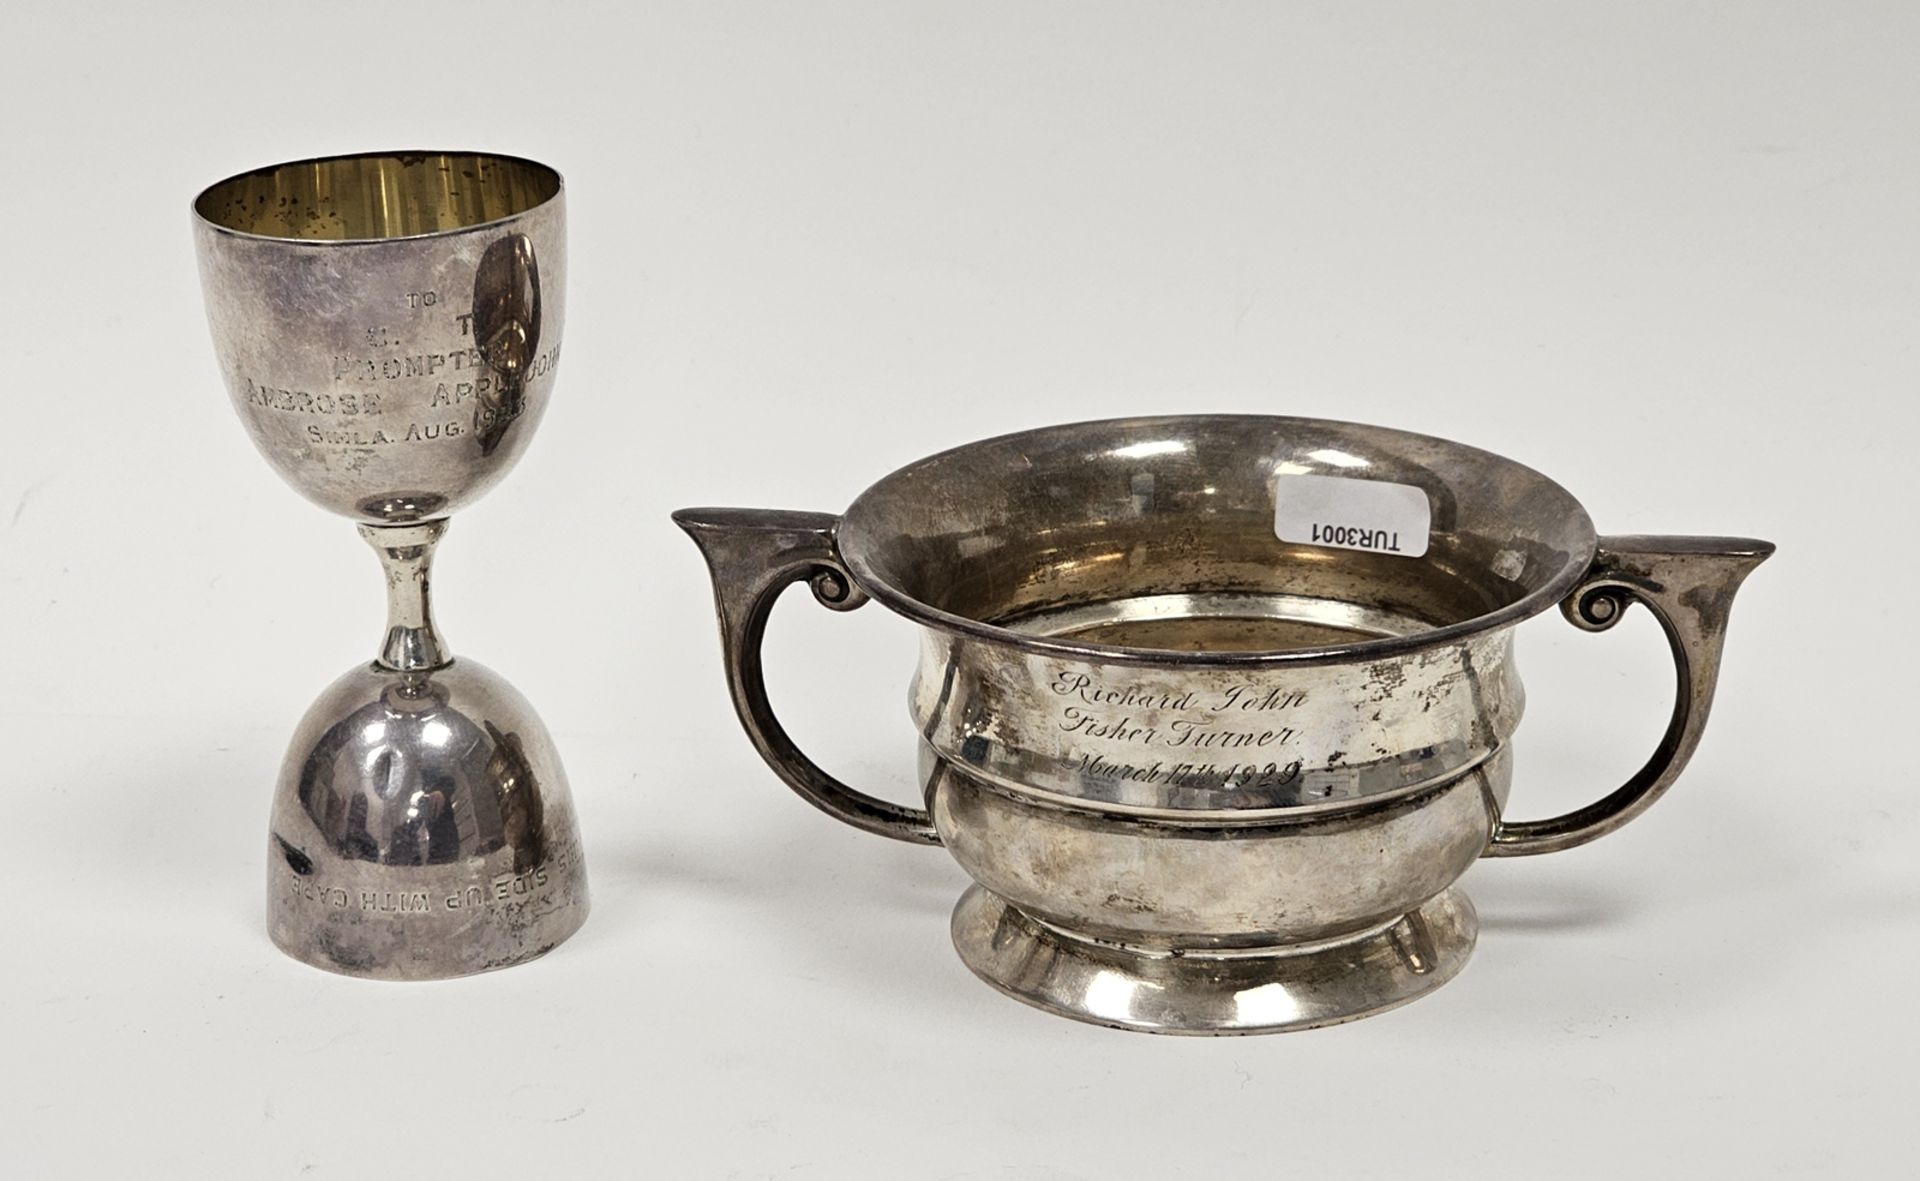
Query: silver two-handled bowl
{"x": 1215, "y": 709}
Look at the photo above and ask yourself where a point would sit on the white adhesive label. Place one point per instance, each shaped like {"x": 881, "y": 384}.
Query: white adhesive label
{"x": 1345, "y": 513}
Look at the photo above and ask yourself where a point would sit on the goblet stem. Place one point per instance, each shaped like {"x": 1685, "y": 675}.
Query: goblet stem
{"x": 406, "y": 554}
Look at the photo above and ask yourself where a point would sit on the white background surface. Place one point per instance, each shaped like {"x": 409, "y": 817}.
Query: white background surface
{"x": 1666, "y": 253}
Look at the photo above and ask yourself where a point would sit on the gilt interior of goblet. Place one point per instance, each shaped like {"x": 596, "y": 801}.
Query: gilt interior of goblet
{"x": 1159, "y": 533}
{"x": 370, "y": 197}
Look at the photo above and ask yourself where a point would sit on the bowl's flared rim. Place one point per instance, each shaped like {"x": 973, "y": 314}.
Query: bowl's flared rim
{"x": 1385, "y": 647}
{"x": 210, "y": 225}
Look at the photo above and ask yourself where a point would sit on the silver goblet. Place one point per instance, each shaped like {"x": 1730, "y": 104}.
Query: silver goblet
{"x": 388, "y": 326}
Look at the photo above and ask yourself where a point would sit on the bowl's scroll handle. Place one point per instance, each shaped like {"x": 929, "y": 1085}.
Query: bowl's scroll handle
{"x": 1688, "y": 583}
{"x": 754, "y": 555}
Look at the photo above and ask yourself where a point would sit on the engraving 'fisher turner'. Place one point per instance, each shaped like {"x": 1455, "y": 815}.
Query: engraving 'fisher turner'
{"x": 1133, "y": 716}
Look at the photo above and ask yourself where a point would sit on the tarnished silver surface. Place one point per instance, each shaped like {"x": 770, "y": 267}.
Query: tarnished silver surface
{"x": 388, "y": 326}
{"x": 422, "y": 829}
{"x": 1210, "y": 781}
{"x": 1210, "y": 993}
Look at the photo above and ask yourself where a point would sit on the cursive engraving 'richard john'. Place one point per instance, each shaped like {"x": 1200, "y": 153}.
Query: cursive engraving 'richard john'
{"x": 1252, "y": 698}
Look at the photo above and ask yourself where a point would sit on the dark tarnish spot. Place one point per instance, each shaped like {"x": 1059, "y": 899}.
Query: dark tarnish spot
{"x": 352, "y": 959}
{"x": 1389, "y": 675}
{"x": 1712, "y": 602}
{"x": 297, "y": 861}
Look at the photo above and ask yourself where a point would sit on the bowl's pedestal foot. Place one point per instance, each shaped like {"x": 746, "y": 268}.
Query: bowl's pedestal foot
{"x": 1193, "y": 992}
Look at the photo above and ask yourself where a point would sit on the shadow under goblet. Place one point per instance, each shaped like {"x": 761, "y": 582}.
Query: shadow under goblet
{"x": 388, "y": 326}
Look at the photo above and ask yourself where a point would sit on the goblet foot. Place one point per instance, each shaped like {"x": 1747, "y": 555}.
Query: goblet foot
{"x": 422, "y": 828}
{"x": 1256, "y": 990}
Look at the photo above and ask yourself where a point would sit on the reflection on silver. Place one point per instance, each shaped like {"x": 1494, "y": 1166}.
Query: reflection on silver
{"x": 388, "y": 327}
{"x": 1110, "y": 995}
{"x": 1208, "y": 781}
{"x": 1266, "y": 1006}
{"x": 422, "y": 828}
